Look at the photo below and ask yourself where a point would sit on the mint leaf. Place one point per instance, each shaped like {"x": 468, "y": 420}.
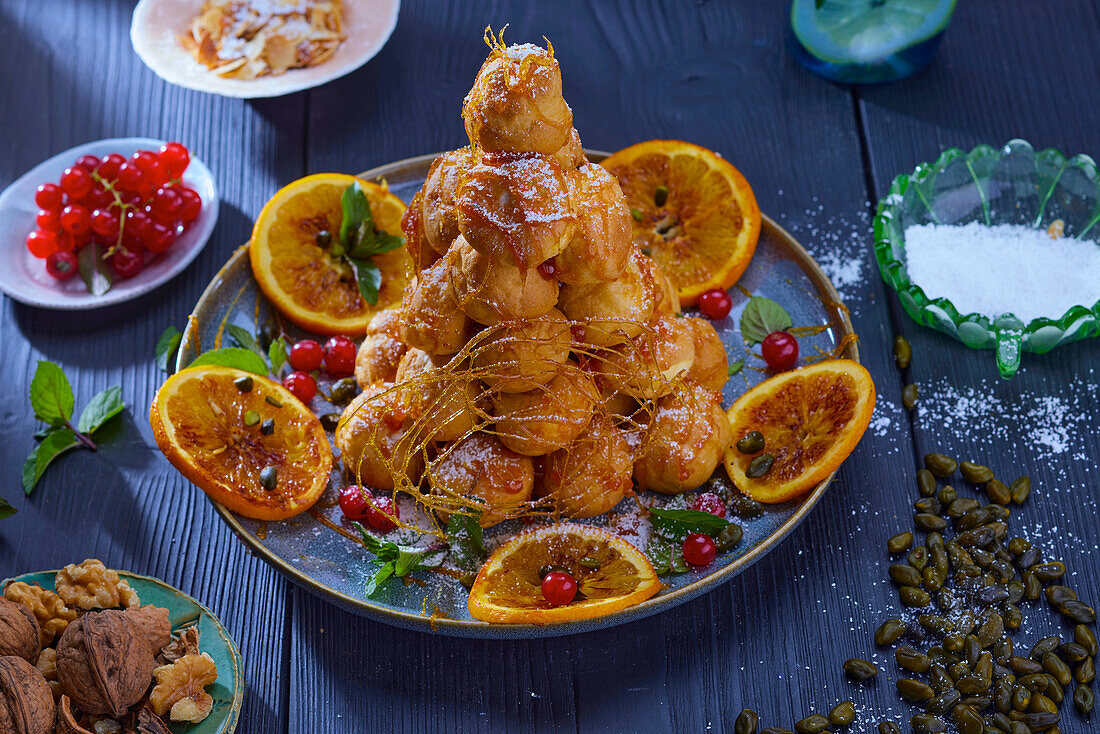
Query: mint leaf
{"x": 678, "y": 524}
{"x": 51, "y": 394}
{"x": 819, "y": 4}
{"x": 244, "y": 339}
{"x": 737, "y": 366}
{"x": 667, "y": 556}
{"x": 276, "y": 354}
{"x": 356, "y": 212}
{"x": 241, "y": 359}
{"x": 369, "y": 278}
{"x": 167, "y": 345}
{"x": 56, "y": 443}
{"x": 466, "y": 541}
{"x": 6, "y": 510}
{"x": 93, "y": 270}
{"x": 374, "y": 243}
{"x": 103, "y": 407}
{"x": 374, "y": 583}
{"x": 396, "y": 560}
{"x": 761, "y": 317}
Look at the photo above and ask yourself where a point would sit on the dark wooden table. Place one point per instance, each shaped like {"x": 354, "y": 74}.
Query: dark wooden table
{"x": 716, "y": 73}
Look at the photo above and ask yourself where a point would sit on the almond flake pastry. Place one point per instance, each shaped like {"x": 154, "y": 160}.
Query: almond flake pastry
{"x": 248, "y": 39}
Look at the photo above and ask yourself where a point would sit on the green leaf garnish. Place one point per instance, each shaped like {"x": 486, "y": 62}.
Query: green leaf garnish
{"x": 678, "y": 524}
{"x": 102, "y": 408}
{"x": 236, "y": 357}
{"x": 244, "y": 339}
{"x": 167, "y": 345}
{"x": 276, "y": 354}
{"x": 93, "y": 269}
{"x": 56, "y": 442}
{"x": 51, "y": 394}
{"x": 394, "y": 559}
{"x": 6, "y": 510}
{"x": 359, "y": 241}
{"x": 819, "y": 4}
{"x": 736, "y": 367}
{"x": 355, "y": 208}
{"x": 369, "y": 278}
{"x": 761, "y": 317}
{"x": 465, "y": 538}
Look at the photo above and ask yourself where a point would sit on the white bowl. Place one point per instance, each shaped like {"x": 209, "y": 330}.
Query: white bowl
{"x": 26, "y": 279}
{"x": 157, "y": 23}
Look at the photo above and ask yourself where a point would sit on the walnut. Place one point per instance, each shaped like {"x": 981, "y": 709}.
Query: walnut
{"x": 47, "y": 666}
{"x": 26, "y": 704}
{"x": 19, "y": 632}
{"x": 180, "y": 690}
{"x": 67, "y": 723}
{"x": 91, "y": 585}
{"x": 184, "y": 642}
{"x": 104, "y": 663}
{"x": 48, "y": 608}
{"x": 153, "y": 621}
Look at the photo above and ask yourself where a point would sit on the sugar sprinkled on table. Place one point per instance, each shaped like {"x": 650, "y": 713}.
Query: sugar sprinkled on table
{"x": 1004, "y": 268}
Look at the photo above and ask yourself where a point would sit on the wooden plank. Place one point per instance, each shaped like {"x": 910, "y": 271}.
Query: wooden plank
{"x": 79, "y": 80}
{"x": 719, "y": 76}
{"x": 996, "y": 78}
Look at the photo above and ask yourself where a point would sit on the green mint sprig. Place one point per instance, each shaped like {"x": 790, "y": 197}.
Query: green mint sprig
{"x": 52, "y": 400}
{"x": 359, "y": 241}
{"x": 248, "y": 355}
{"x": 6, "y": 510}
{"x": 396, "y": 560}
{"x": 670, "y": 528}
{"x": 761, "y": 317}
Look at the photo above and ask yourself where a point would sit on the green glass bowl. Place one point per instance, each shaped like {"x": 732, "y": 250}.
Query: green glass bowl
{"x": 1012, "y": 184}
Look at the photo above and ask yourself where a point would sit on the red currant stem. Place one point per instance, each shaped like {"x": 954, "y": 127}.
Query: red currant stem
{"x": 122, "y": 207}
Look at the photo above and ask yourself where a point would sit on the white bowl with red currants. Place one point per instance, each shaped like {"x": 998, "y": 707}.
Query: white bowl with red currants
{"x": 105, "y": 222}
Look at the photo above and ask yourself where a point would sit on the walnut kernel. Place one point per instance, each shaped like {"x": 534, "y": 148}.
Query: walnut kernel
{"x": 180, "y": 690}
{"x": 91, "y": 585}
{"x": 48, "y": 608}
{"x": 47, "y": 666}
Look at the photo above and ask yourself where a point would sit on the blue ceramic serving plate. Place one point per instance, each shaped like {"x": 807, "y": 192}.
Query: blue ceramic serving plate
{"x": 183, "y": 611}
{"x": 311, "y": 551}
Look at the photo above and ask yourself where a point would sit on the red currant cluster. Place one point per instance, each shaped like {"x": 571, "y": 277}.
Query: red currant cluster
{"x": 130, "y": 206}
{"x": 307, "y": 355}
{"x": 379, "y": 511}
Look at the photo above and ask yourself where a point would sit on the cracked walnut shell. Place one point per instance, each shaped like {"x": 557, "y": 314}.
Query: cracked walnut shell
{"x": 48, "y": 608}
{"x": 19, "y": 633}
{"x": 104, "y": 663}
{"x": 91, "y": 585}
{"x": 26, "y": 703}
{"x": 180, "y": 690}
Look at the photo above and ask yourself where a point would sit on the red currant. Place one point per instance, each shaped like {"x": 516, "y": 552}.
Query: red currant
{"x": 354, "y": 502}
{"x": 42, "y": 243}
{"x": 340, "y": 355}
{"x": 159, "y": 238}
{"x": 69, "y": 242}
{"x": 49, "y": 196}
{"x": 47, "y": 220}
{"x": 301, "y": 385}
{"x": 88, "y": 162}
{"x": 174, "y": 158}
{"x": 99, "y": 197}
{"x": 105, "y": 224}
{"x": 381, "y": 513}
{"x": 130, "y": 177}
{"x": 192, "y": 205}
{"x": 76, "y": 182}
{"x": 75, "y": 219}
{"x": 61, "y": 265}
{"x": 305, "y": 355}
{"x": 780, "y": 351}
{"x": 127, "y": 263}
{"x": 559, "y": 587}
{"x": 108, "y": 167}
{"x": 715, "y": 304}
{"x": 699, "y": 549}
{"x": 166, "y": 205}
{"x": 709, "y": 502}
{"x": 138, "y": 222}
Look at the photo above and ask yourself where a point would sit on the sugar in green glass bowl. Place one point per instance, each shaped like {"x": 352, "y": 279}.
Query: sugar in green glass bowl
{"x": 1013, "y": 184}
{"x": 183, "y": 611}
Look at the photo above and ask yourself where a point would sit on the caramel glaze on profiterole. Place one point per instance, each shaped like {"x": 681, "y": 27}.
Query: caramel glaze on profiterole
{"x": 521, "y": 369}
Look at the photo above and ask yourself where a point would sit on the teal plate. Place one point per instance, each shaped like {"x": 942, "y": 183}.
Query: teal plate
{"x": 183, "y": 611}
{"x": 319, "y": 551}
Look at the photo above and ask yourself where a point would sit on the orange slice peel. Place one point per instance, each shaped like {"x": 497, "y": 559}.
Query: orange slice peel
{"x": 693, "y": 213}
{"x": 811, "y": 419}
{"x": 211, "y": 432}
{"x": 309, "y": 286}
{"x": 508, "y": 587}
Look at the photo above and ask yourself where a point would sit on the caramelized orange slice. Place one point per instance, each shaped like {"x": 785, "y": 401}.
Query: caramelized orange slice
{"x": 693, "y": 212}
{"x": 509, "y": 589}
{"x": 315, "y": 290}
{"x": 811, "y": 419}
{"x": 213, "y": 434}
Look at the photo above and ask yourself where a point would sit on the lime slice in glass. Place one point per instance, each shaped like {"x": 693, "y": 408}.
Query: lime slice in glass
{"x": 864, "y": 32}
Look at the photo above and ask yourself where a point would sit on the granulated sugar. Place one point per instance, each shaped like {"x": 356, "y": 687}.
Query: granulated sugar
{"x": 1005, "y": 268}
{"x": 839, "y": 244}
